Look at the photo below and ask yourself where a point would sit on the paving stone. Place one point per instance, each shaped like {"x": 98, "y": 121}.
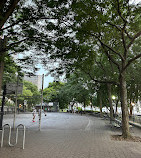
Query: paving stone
{"x": 82, "y": 137}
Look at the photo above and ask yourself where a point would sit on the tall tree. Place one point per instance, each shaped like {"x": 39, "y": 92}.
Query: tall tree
{"x": 115, "y": 26}
{"x": 112, "y": 27}
{"x": 28, "y": 25}
{"x": 51, "y": 93}
{"x": 30, "y": 94}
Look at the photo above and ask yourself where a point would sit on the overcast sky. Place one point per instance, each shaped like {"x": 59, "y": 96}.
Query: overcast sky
{"x": 135, "y": 1}
{"x": 47, "y": 79}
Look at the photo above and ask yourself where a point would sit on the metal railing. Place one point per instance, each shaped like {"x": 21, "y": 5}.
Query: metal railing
{"x": 9, "y": 139}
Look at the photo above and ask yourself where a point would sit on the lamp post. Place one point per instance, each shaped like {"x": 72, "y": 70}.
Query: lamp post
{"x": 16, "y": 92}
{"x": 41, "y": 102}
{"x": 113, "y": 98}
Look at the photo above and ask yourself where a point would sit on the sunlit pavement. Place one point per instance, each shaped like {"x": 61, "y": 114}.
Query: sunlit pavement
{"x": 66, "y": 135}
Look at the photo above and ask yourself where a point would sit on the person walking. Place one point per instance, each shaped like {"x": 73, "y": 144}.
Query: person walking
{"x": 34, "y": 114}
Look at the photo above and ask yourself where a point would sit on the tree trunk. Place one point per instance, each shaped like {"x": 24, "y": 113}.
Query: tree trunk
{"x": 1, "y": 74}
{"x": 2, "y": 107}
{"x": 100, "y": 104}
{"x": 124, "y": 107}
{"x": 110, "y": 102}
{"x": 1, "y": 64}
{"x": 116, "y": 106}
{"x": 3, "y": 43}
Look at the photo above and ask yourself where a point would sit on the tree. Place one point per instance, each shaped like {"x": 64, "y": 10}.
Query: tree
{"x": 28, "y": 25}
{"x": 133, "y": 85}
{"x": 51, "y": 93}
{"x": 74, "y": 90}
{"x": 114, "y": 28}
{"x": 30, "y": 93}
{"x": 10, "y": 69}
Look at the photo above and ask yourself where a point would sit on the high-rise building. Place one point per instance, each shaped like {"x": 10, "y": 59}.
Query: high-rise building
{"x": 37, "y": 80}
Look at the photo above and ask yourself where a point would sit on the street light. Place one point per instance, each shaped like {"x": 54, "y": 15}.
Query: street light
{"x": 114, "y": 104}
{"x": 113, "y": 97}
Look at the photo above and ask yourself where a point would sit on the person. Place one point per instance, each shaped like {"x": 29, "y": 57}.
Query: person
{"x": 34, "y": 114}
{"x": 39, "y": 113}
{"x": 44, "y": 112}
{"x": 81, "y": 111}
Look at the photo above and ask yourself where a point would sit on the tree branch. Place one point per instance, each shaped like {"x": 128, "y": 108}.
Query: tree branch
{"x": 123, "y": 42}
{"x": 101, "y": 66}
{"x": 10, "y": 45}
{"x": 100, "y": 81}
{"x": 9, "y": 12}
{"x": 133, "y": 39}
{"x": 127, "y": 34}
{"x": 2, "y": 4}
{"x": 131, "y": 60}
{"x": 111, "y": 59}
{"x": 118, "y": 28}
{"x": 109, "y": 47}
{"x": 9, "y": 26}
{"x": 108, "y": 55}
{"x": 119, "y": 12}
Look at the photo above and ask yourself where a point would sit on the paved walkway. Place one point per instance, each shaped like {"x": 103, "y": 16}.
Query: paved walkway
{"x": 92, "y": 140}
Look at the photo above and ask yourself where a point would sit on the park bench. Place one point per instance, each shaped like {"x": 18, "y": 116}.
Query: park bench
{"x": 106, "y": 116}
{"x": 118, "y": 123}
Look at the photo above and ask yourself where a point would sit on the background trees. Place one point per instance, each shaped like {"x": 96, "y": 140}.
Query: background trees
{"x": 51, "y": 93}
{"x": 30, "y": 94}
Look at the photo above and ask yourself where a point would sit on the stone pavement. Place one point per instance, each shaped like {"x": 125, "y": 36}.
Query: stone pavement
{"x": 91, "y": 141}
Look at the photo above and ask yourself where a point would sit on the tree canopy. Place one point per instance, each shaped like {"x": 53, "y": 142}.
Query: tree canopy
{"x": 110, "y": 29}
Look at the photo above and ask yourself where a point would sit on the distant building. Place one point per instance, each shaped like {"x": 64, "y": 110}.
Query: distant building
{"x": 51, "y": 107}
{"x": 37, "y": 80}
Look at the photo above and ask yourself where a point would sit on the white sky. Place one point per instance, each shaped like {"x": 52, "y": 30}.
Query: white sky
{"x": 47, "y": 79}
{"x": 135, "y": 1}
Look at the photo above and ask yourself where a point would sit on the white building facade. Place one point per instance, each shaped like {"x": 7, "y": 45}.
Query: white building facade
{"x": 37, "y": 80}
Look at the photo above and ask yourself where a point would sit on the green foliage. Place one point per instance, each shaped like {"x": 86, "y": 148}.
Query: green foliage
{"x": 105, "y": 41}
{"x": 7, "y": 103}
{"x": 133, "y": 84}
{"x": 79, "y": 109}
{"x": 10, "y": 69}
{"x": 52, "y": 91}
{"x": 32, "y": 26}
{"x": 33, "y": 88}
{"x": 27, "y": 92}
{"x": 30, "y": 93}
{"x": 75, "y": 90}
